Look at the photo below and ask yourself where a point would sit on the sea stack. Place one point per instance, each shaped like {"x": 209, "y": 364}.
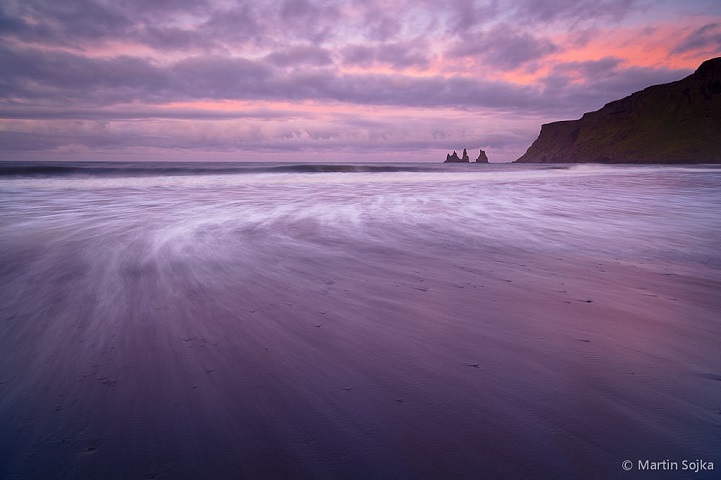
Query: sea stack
{"x": 677, "y": 122}
{"x": 454, "y": 158}
{"x": 482, "y": 157}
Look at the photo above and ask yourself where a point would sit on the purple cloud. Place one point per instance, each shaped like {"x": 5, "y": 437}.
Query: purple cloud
{"x": 300, "y": 55}
{"x": 69, "y": 22}
{"x": 468, "y": 14}
{"x": 591, "y": 84}
{"x": 706, "y": 39}
{"x": 220, "y": 77}
{"x": 397, "y": 55}
{"x": 502, "y": 47}
{"x": 60, "y": 77}
{"x": 577, "y": 11}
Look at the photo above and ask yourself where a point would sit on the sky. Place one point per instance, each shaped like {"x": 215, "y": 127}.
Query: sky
{"x": 320, "y": 80}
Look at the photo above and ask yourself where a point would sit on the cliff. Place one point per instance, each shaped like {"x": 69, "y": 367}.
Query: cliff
{"x": 678, "y": 122}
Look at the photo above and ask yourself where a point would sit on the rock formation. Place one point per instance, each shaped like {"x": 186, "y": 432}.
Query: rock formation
{"x": 453, "y": 158}
{"x": 678, "y": 122}
{"x": 482, "y": 157}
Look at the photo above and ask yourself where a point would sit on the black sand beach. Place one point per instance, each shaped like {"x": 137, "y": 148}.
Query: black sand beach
{"x": 509, "y": 323}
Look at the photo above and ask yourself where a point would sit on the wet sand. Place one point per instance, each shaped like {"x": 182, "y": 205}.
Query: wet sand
{"x": 484, "y": 365}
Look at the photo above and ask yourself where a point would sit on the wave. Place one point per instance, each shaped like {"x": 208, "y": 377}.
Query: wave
{"x": 348, "y": 168}
{"x": 110, "y": 169}
{"x": 195, "y": 169}
{"x": 141, "y": 169}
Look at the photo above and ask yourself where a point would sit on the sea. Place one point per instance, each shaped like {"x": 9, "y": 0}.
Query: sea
{"x": 305, "y": 320}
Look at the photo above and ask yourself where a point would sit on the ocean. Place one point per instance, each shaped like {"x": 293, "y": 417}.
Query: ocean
{"x": 220, "y": 320}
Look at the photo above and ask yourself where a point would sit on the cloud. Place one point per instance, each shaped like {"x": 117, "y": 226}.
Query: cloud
{"x": 306, "y": 20}
{"x": 142, "y": 112}
{"x": 19, "y": 142}
{"x": 64, "y": 79}
{"x": 171, "y": 38}
{"x": 34, "y": 74}
{"x": 220, "y": 78}
{"x": 503, "y": 47}
{"x": 588, "y": 85}
{"x": 575, "y": 12}
{"x": 161, "y": 74}
{"x": 706, "y": 39}
{"x": 10, "y": 24}
{"x": 75, "y": 79}
{"x": 298, "y": 10}
{"x": 70, "y": 22}
{"x": 469, "y": 14}
{"x": 231, "y": 27}
{"x": 381, "y": 27}
{"x": 346, "y": 129}
{"x": 300, "y": 55}
{"x": 395, "y": 54}
{"x": 566, "y": 74}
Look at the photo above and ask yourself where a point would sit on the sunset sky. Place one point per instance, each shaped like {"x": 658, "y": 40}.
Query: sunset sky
{"x": 305, "y": 80}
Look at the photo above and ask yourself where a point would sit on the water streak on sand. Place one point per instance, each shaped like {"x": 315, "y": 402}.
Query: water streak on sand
{"x": 188, "y": 321}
